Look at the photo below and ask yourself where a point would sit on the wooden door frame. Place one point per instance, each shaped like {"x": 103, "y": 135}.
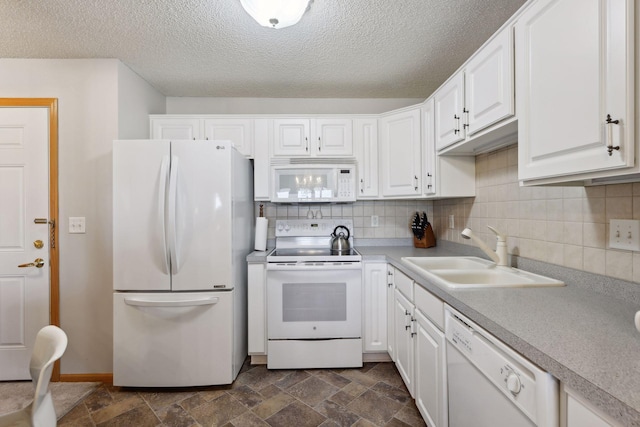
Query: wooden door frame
{"x": 54, "y": 269}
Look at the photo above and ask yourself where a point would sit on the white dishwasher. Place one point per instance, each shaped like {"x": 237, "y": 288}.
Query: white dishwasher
{"x": 490, "y": 384}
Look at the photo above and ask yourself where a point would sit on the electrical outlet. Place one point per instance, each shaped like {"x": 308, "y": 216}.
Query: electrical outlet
{"x": 452, "y": 223}
{"x": 624, "y": 234}
{"x": 77, "y": 225}
{"x": 374, "y": 221}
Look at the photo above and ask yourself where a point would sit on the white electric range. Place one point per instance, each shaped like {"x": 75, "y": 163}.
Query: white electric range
{"x": 314, "y": 297}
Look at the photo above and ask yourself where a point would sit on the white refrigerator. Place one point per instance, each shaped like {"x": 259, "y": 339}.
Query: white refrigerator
{"x": 182, "y": 227}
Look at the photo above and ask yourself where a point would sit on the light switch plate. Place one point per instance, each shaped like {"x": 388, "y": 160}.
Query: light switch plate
{"x": 77, "y": 225}
{"x": 624, "y": 234}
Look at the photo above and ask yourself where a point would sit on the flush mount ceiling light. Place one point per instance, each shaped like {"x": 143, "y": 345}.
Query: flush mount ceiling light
{"x": 276, "y": 13}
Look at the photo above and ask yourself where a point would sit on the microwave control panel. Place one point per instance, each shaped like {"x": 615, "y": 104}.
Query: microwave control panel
{"x": 346, "y": 183}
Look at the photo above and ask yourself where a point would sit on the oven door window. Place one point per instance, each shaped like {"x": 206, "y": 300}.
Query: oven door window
{"x": 314, "y": 302}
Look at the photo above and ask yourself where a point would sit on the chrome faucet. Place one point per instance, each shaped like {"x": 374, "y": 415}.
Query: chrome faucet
{"x": 500, "y": 256}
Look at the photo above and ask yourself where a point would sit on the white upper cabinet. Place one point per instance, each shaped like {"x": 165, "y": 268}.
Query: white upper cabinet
{"x": 365, "y": 142}
{"x": 449, "y": 106}
{"x": 238, "y": 131}
{"x": 301, "y": 137}
{"x": 400, "y": 153}
{"x": 488, "y": 96}
{"x": 575, "y": 86}
{"x": 451, "y": 176}
{"x": 176, "y": 128}
{"x": 474, "y": 109}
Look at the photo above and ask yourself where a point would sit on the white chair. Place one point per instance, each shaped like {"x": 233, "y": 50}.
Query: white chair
{"x": 51, "y": 342}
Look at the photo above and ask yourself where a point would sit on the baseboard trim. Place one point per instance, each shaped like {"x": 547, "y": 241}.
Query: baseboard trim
{"x": 376, "y": 357}
{"x": 83, "y": 378}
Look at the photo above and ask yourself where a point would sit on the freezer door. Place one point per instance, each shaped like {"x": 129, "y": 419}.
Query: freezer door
{"x": 200, "y": 240}
{"x": 172, "y": 339}
{"x": 140, "y": 253}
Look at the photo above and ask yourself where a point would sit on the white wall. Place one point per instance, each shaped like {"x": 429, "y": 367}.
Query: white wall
{"x": 88, "y": 106}
{"x": 136, "y": 100}
{"x": 192, "y": 105}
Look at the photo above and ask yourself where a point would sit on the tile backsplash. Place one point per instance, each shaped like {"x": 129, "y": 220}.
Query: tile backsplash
{"x": 567, "y": 226}
{"x": 563, "y": 225}
{"x": 393, "y": 216}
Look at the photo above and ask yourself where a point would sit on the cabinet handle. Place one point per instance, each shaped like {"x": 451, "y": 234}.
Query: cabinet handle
{"x": 413, "y": 334}
{"x": 306, "y": 148}
{"x": 610, "y": 124}
{"x": 465, "y": 125}
{"x": 430, "y": 180}
{"x": 415, "y": 178}
{"x": 319, "y": 146}
{"x": 406, "y": 328}
{"x": 407, "y": 312}
{"x": 361, "y": 185}
{"x": 457, "y": 125}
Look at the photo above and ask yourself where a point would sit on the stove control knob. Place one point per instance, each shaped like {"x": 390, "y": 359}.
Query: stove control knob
{"x": 280, "y": 227}
{"x": 513, "y": 384}
{"x": 287, "y": 227}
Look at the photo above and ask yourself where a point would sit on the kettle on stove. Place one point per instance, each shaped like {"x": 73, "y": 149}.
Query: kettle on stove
{"x": 339, "y": 242}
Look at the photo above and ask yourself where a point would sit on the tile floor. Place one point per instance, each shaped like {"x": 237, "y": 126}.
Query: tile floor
{"x": 373, "y": 395}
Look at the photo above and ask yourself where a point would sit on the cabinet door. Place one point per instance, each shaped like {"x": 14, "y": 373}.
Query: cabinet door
{"x": 489, "y": 84}
{"x": 365, "y": 140}
{"x": 257, "y": 308}
{"x": 291, "y": 137}
{"x": 238, "y": 131}
{"x": 375, "y": 307}
{"x": 176, "y": 128}
{"x": 429, "y": 148}
{"x": 261, "y": 175}
{"x": 333, "y": 137}
{"x": 578, "y": 412}
{"x": 400, "y": 157}
{"x": 403, "y": 313}
{"x": 430, "y": 372}
{"x": 449, "y": 102}
{"x": 574, "y": 67}
{"x": 391, "y": 303}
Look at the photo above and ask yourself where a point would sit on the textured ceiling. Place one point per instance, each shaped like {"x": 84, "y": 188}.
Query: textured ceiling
{"x": 340, "y": 48}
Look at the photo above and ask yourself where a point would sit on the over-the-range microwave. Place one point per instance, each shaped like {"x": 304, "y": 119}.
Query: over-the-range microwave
{"x": 313, "y": 180}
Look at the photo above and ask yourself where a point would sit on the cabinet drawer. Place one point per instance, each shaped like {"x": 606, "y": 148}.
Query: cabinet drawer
{"x": 430, "y": 305}
{"x": 404, "y": 284}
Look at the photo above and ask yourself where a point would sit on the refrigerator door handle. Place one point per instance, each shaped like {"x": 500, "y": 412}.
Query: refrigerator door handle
{"x": 162, "y": 201}
{"x": 142, "y": 302}
{"x": 173, "y": 208}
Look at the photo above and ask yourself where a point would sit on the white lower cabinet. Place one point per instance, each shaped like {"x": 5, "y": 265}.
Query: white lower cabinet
{"x": 580, "y": 413}
{"x": 257, "y": 308}
{"x": 391, "y": 330}
{"x": 418, "y": 345}
{"x": 374, "y": 333}
{"x": 403, "y": 313}
{"x": 430, "y": 384}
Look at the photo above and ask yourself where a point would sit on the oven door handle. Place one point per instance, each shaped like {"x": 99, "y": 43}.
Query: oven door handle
{"x": 327, "y": 266}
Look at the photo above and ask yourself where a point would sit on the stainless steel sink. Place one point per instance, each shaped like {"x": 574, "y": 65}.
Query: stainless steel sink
{"x": 472, "y": 272}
